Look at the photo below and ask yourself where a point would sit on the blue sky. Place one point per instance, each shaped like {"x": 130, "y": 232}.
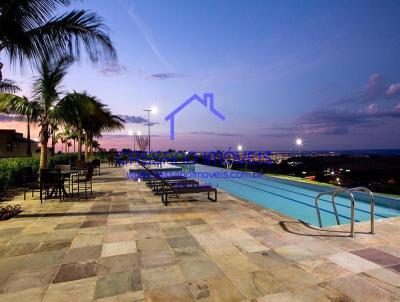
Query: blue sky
{"x": 326, "y": 71}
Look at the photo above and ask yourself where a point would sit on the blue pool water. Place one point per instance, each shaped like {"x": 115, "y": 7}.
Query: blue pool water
{"x": 295, "y": 199}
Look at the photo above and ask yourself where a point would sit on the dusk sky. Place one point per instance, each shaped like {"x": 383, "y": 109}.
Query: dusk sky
{"x": 325, "y": 71}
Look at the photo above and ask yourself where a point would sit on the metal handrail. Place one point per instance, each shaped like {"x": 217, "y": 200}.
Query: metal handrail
{"x": 337, "y": 219}
{"x": 372, "y": 202}
{"x": 352, "y": 200}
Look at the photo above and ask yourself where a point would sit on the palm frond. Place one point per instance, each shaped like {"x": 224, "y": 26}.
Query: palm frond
{"x": 8, "y": 86}
{"x": 13, "y": 104}
{"x": 46, "y": 87}
{"x": 58, "y": 37}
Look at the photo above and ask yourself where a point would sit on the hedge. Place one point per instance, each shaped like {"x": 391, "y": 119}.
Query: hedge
{"x": 10, "y": 168}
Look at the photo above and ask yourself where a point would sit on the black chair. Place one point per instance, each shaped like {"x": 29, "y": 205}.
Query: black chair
{"x": 50, "y": 183}
{"x": 96, "y": 165}
{"x": 29, "y": 181}
{"x": 83, "y": 181}
{"x": 79, "y": 165}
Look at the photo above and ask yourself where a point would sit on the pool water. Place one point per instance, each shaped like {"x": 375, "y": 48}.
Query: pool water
{"x": 296, "y": 199}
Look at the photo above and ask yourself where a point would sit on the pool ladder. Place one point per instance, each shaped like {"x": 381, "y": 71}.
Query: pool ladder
{"x": 349, "y": 191}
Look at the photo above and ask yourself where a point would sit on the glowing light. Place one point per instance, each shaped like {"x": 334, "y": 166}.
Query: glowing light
{"x": 154, "y": 110}
{"x": 139, "y": 133}
{"x": 239, "y": 148}
{"x": 299, "y": 142}
{"x": 130, "y": 132}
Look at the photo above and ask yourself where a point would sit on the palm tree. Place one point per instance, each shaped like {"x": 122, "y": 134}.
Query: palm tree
{"x": 89, "y": 117}
{"x": 74, "y": 136}
{"x": 8, "y": 86}
{"x": 31, "y": 110}
{"x": 53, "y": 131}
{"x": 30, "y": 30}
{"x": 46, "y": 90}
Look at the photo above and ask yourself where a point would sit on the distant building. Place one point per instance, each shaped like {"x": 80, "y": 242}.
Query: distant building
{"x": 13, "y": 144}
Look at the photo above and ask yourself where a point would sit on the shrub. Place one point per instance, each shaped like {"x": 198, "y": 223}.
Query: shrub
{"x": 9, "y": 211}
{"x": 10, "y": 168}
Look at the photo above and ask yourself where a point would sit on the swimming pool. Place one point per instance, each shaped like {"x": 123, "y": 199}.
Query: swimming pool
{"x": 296, "y": 199}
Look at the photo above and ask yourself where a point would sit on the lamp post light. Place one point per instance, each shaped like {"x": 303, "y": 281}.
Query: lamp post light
{"x": 154, "y": 110}
{"x": 134, "y": 134}
{"x": 299, "y": 143}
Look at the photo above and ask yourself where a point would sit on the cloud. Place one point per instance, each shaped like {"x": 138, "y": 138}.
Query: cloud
{"x": 375, "y": 85}
{"x": 112, "y": 68}
{"x": 375, "y": 90}
{"x": 214, "y": 133}
{"x": 133, "y": 119}
{"x": 393, "y": 90}
{"x": 339, "y": 122}
{"x": 397, "y": 108}
{"x": 372, "y": 108}
{"x": 11, "y": 118}
{"x": 164, "y": 76}
{"x": 151, "y": 123}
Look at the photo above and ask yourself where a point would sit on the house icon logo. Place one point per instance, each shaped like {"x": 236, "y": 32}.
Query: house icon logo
{"x": 207, "y": 101}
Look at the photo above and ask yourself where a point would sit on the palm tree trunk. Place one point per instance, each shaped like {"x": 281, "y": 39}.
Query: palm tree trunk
{"x": 91, "y": 148}
{"x": 86, "y": 147}
{"x": 28, "y": 136}
{"x": 53, "y": 143}
{"x": 80, "y": 146}
{"x": 44, "y": 139}
{"x": 74, "y": 146}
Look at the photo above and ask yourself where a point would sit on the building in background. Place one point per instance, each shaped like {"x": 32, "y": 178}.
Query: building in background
{"x": 13, "y": 144}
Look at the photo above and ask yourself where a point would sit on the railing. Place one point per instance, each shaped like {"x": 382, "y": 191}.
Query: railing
{"x": 352, "y": 202}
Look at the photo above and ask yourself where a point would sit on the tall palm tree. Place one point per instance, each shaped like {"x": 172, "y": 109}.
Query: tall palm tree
{"x": 30, "y": 30}
{"x": 61, "y": 136}
{"x": 31, "y": 110}
{"x": 46, "y": 94}
{"x": 89, "y": 116}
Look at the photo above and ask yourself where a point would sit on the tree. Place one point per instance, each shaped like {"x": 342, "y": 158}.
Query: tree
{"x": 30, "y": 30}
{"x": 31, "y": 110}
{"x": 89, "y": 117}
{"x": 8, "y": 86}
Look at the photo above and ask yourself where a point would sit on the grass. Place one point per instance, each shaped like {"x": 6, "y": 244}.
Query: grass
{"x": 313, "y": 182}
{"x": 300, "y": 179}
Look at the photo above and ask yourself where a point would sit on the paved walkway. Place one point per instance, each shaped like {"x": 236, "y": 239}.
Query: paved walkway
{"x": 124, "y": 245}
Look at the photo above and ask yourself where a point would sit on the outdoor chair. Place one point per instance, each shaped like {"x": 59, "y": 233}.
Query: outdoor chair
{"x": 50, "y": 183}
{"x": 174, "y": 190}
{"x": 83, "y": 181}
{"x": 29, "y": 181}
{"x": 111, "y": 161}
{"x": 96, "y": 165}
{"x": 79, "y": 164}
{"x": 65, "y": 168}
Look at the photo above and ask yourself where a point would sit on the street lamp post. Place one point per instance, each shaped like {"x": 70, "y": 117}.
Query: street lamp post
{"x": 134, "y": 134}
{"x": 148, "y": 125}
{"x": 299, "y": 144}
{"x": 154, "y": 110}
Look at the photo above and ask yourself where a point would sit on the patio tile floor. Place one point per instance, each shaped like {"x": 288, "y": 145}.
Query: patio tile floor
{"x": 123, "y": 244}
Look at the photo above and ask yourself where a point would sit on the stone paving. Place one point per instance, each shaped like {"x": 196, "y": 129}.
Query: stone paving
{"x": 124, "y": 245}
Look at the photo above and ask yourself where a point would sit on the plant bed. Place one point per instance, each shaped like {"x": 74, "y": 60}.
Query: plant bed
{"x": 9, "y": 211}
